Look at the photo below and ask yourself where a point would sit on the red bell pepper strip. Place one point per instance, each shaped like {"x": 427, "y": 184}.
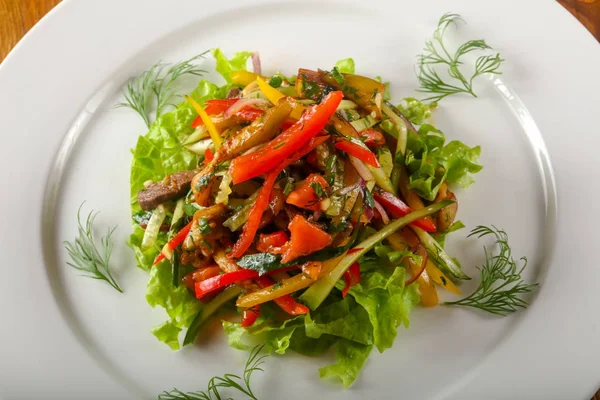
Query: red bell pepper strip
{"x": 208, "y": 156}
{"x": 250, "y": 316}
{"x": 284, "y": 145}
{"x": 269, "y": 243}
{"x": 352, "y": 277}
{"x": 220, "y": 281}
{"x": 262, "y": 201}
{"x": 358, "y": 151}
{"x": 398, "y": 209}
{"x": 174, "y": 242}
{"x": 286, "y": 302}
{"x": 249, "y": 114}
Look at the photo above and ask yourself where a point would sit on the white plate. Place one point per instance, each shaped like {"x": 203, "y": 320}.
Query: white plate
{"x": 62, "y": 336}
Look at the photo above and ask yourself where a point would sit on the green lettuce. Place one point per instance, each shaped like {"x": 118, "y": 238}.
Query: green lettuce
{"x": 345, "y": 66}
{"x": 345, "y": 319}
{"x": 225, "y": 66}
{"x": 431, "y": 162}
{"x": 416, "y": 111}
{"x": 387, "y": 301}
{"x": 350, "y": 358}
{"x": 156, "y": 154}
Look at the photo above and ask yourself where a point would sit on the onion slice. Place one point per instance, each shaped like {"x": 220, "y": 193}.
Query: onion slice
{"x": 361, "y": 169}
{"x": 256, "y": 63}
{"x": 241, "y": 104}
{"x": 384, "y": 217}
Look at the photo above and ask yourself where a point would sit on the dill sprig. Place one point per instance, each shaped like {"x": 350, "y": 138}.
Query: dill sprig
{"x": 436, "y": 53}
{"x": 228, "y": 381}
{"x": 501, "y": 282}
{"x": 86, "y": 256}
{"x": 155, "y": 87}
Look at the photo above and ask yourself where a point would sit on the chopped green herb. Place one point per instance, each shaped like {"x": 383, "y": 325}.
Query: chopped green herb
{"x": 275, "y": 81}
{"x": 369, "y": 201}
{"x": 289, "y": 186}
{"x": 208, "y": 245}
{"x": 204, "y": 226}
{"x": 279, "y": 145}
{"x": 276, "y": 286}
{"x": 318, "y": 189}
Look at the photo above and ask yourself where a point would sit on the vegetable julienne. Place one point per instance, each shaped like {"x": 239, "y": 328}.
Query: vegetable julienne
{"x": 311, "y": 203}
{"x": 278, "y": 207}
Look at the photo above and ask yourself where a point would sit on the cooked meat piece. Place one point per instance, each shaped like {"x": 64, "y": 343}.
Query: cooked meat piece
{"x": 233, "y": 93}
{"x": 172, "y": 187}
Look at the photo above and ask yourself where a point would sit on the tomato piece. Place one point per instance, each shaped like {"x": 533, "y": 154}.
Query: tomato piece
{"x": 372, "y": 137}
{"x": 305, "y": 195}
{"x": 271, "y": 242}
{"x": 306, "y": 238}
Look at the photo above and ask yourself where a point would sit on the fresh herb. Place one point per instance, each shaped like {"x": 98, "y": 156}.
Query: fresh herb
{"x": 339, "y": 78}
{"x": 190, "y": 209}
{"x": 435, "y": 53}
{"x": 309, "y": 88}
{"x": 331, "y": 167}
{"x": 86, "y": 256}
{"x": 228, "y": 381}
{"x": 142, "y": 217}
{"x": 318, "y": 189}
{"x": 204, "y": 226}
{"x": 204, "y": 180}
{"x": 275, "y": 81}
{"x": 260, "y": 262}
{"x": 154, "y": 87}
{"x": 501, "y": 282}
{"x": 369, "y": 200}
{"x": 207, "y": 245}
{"x": 279, "y": 145}
{"x": 289, "y": 186}
{"x": 276, "y": 286}
{"x": 175, "y": 268}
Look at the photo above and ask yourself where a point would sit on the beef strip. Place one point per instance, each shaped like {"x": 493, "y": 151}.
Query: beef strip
{"x": 233, "y": 93}
{"x": 172, "y": 187}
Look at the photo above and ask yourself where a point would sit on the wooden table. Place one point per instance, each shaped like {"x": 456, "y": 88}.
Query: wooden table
{"x": 18, "y": 16}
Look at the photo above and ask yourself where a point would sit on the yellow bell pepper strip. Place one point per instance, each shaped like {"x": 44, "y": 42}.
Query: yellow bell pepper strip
{"x": 275, "y": 95}
{"x": 427, "y": 290}
{"x": 210, "y": 126}
{"x": 366, "y": 92}
{"x": 317, "y": 293}
{"x": 439, "y": 278}
{"x": 244, "y": 78}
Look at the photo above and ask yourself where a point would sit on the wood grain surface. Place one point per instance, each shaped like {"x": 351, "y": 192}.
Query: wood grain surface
{"x": 17, "y": 17}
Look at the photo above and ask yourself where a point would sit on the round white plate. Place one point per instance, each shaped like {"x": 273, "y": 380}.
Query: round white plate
{"x": 67, "y": 337}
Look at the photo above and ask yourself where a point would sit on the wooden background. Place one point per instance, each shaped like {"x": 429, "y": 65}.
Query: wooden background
{"x": 18, "y": 16}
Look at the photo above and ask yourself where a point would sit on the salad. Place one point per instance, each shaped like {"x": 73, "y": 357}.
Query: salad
{"x": 308, "y": 212}
{"x": 310, "y": 203}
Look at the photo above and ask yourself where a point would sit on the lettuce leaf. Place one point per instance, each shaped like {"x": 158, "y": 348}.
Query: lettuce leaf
{"x": 416, "y": 111}
{"x": 387, "y": 302}
{"x": 350, "y": 358}
{"x": 226, "y": 66}
{"x": 345, "y": 319}
{"x": 275, "y": 336}
{"x": 179, "y": 304}
{"x": 168, "y": 333}
{"x": 431, "y": 162}
{"x": 345, "y": 66}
